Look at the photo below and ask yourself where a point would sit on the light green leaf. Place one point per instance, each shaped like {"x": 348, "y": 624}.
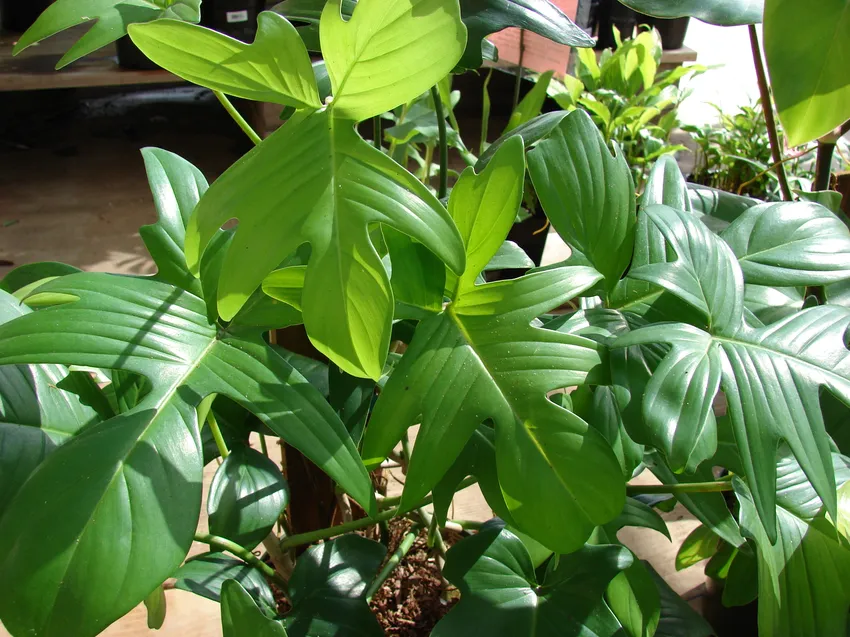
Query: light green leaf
{"x": 807, "y": 56}
{"x": 25, "y": 275}
{"x": 803, "y": 585}
{"x": 830, "y": 199}
{"x": 721, "y": 207}
{"x": 509, "y": 257}
{"x": 770, "y": 304}
{"x": 247, "y": 496}
{"x": 155, "y": 606}
{"x": 275, "y": 68}
{"x": 343, "y": 186}
{"x": 112, "y": 17}
{"x": 388, "y": 52}
{"x": 790, "y": 243}
{"x": 328, "y": 589}
{"x": 530, "y": 133}
{"x": 241, "y": 617}
{"x": 139, "y": 474}
{"x": 501, "y": 597}
{"x": 633, "y": 598}
{"x": 721, "y": 12}
{"x": 530, "y": 105}
{"x": 700, "y": 545}
{"x": 587, "y": 194}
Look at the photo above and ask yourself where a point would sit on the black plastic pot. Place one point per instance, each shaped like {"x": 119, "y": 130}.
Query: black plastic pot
{"x": 18, "y": 15}
{"x": 608, "y": 14}
{"x": 672, "y": 31}
{"x": 130, "y": 56}
{"x": 236, "y": 18}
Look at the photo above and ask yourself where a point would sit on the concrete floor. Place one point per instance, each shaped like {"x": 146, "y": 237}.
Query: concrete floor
{"x": 73, "y": 189}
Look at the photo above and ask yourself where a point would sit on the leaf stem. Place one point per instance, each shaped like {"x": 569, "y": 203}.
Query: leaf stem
{"x": 395, "y": 559}
{"x": 237, "y": 117}
{"x": 684, "y": 487}
{"x": 444, "y": 146}
{"x": 396, "y": 499}
{"x": 362, "y": 523}
{"x": 214, "y": 541}
{"x": 767, "y": 108}
{"x": 216, "y": 434}
{"x": 376, "y": 132}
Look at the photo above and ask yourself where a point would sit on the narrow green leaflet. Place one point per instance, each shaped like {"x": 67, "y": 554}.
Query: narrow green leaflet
{"x": 807, "y": 57}
{"x": 677, "y": 616}
{"x": 770, "y": 304}
{"x": 205, "y": 574}
{"x": 35, "y": 415}
{"x": 156, "y": 608}
{"x": 112, "y": 17}
{"x": 803, "y": 584}
{"x": 509, "y": 256}
{"x": 139, "y": 474}
{"x": 720, "y": 12}
{"x": 790, "y": 244}
{"x": 328, "y": 589}
{"x": 640, "y": 514}
{"x": 721, "y": 207}
{"x": 530, "y": 105}
{"x": 275, "y": 68}
{"x": 241, "y": 617}
{"x": 501, "y": 596}
{"x": 530, "y": 133}
{"x": 388, "y": 52}
{"x": 484, "y": 17}
{"x": 700, "y": 545}
{"x": 482, "y": 359}
{"x": 247, "y": 496}
{"x": 177, "y": 186}
{"x": 587, "y": 194}
{"x": 316, "y": 181}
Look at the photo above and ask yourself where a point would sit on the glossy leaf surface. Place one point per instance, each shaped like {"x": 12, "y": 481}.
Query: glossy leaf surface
{"x": 240, "y": 616}
{"x": 720, "y": 12}
{"x": 343, "y": 185}
{"x": 481, "y": 358}
{"x": 205, "y": 574}
{"x": 807, "y": 56}
{"x": 501, "y": 596}
{"x": 247, "y": 496}
{"x": 112, "y": 17}
{"x": 587, "y": 194}
{"x": 275, "y": 68}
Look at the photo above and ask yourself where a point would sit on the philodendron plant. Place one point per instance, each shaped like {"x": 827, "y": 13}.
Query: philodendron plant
{"x": 551, "y": 390}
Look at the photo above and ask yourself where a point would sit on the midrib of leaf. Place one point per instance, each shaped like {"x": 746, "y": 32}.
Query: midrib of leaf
{"x": 468, "y": 338}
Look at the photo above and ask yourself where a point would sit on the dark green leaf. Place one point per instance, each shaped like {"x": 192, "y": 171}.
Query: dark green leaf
{"x": 677, "y": 616}
{"x": 587, "y": 194}
{"x": 509, "y": 257}
{"x": 720, "y": 12}
{"x": 111, "y": 17}
{"x": 530, "y": 133}
{"x": 247, "y": 495}
{"x": 600, "y": 408}
{"x": 328, "y": 589}
{"x": 720, "y": 206}
{"x": 205, "y": 574}
{"x": 500, "y": 594}
{"x": 155, "y": 606}
{"x": 770, "y": 305}
{"x": 634, "y": 600}
{"x": 637, "y": 513}
{"x": 30, "y": 273}
{"x": 241, "y": 617}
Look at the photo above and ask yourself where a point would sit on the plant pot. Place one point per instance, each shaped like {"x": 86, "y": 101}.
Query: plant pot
{"x": 672, "y": 31}
{"x": 236, "y": 18}
{"x": 130, "y": 56}
{"x": 609, "y": 14}
{"x": 18, "y": 15}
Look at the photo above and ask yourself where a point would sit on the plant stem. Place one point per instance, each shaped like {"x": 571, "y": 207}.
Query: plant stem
{"x": 767, "y": 107}
{"x": 444, "y": 145}
{"x": 395, "y": 559}
{"x": 376, "y": 132}
{"x": 354, "y": 525}
{"x": 823, "y": 165}
{"x": 242, "y": 553}
{"x": 485, "y": 113}
{"x": 396, "y": 499}
{"x": 685, "y": 487}
{"x": 263, "y": 446}
{"x": 237, "y": 117}
{"x": 216, "y": 434}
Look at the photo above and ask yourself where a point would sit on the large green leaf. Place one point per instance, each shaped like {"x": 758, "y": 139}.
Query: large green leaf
{"x": 35, "y": 415}
{"x": 177, "y": 187}
{"x": 677, "y": 616}
{"x": 482, "y": 359}
{"x": 803, "y": 584}
{"x": 501, "y": 596}
{"x": 771, "y": 376}
{"x": 247, "y": 496}
{"x": 587, "y": 194}
{"x": 328, "y": 589}
{"x": 789, "y": 244}
{"x": 138, "y": 476}
{"x": 807, "y": 54}
{"x": 112, "y": 17}
{"x": 388, "y": 52}
{"x": 316, "y": 181}
{"x": 275, "y": 68}
{"x": 205, "y": 575}
{"x": 240, "y": 616}
{"x": 720, "y": 12}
